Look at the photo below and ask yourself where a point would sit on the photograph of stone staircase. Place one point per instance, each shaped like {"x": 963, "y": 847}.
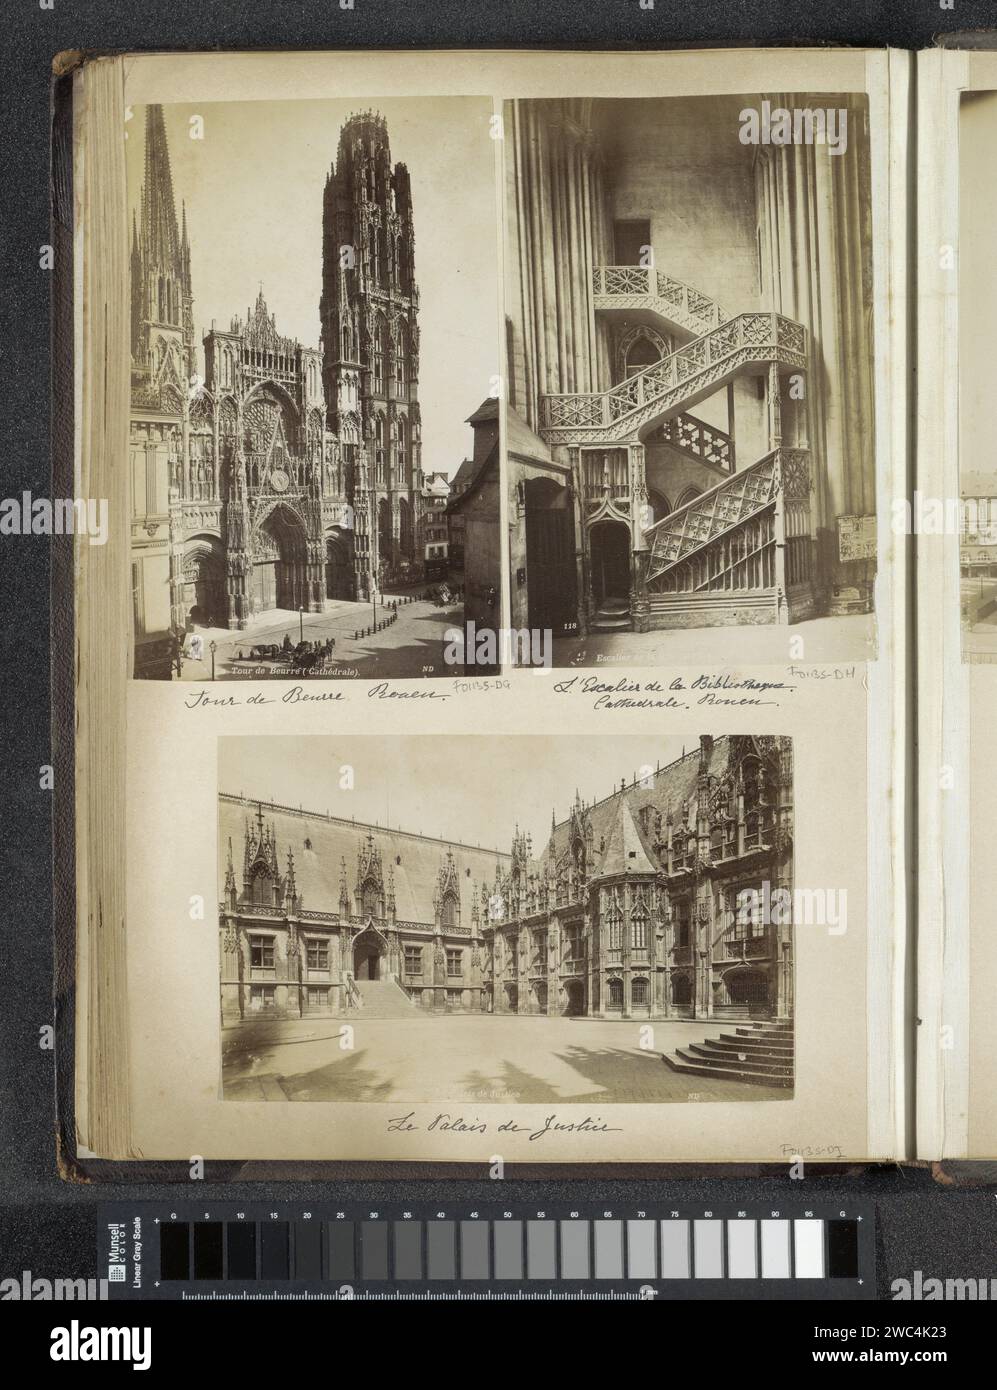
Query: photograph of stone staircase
{"x": 382, "y": 999}
{"x": 741, "y": 549}
{"x": 691, "y": 371}
{"x": 760, "y": 1053}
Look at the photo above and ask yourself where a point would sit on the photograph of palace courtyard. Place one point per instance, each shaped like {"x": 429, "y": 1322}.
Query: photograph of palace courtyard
{"x": 379, "y": 942}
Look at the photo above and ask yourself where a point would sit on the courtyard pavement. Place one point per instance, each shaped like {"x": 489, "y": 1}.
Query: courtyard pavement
{"x": 410, "y": 647}
{"x": 470, "y": 1058}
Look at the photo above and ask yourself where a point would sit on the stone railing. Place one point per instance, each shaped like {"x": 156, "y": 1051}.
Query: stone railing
{"x": 710, "y": 514}
{"x": 726, "y": 538}
{"x": 632, "y": 287}
{"x": 749, "y": 948}
{"x": 700, "y": 440}
{"x": 675, "y": 380}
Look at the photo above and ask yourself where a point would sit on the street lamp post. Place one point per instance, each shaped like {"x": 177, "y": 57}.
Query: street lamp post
{"x": 212, "y": 648}
{"x": 301, "y": 624}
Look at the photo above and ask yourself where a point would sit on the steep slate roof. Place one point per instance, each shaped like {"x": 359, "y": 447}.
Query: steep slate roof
{"x": 317, "y": 870}
{"x": 671, "y": 787}
{"x": 462, "y": 478}
{"x": 626, "y": 851}
{"x": 487, "y": 410}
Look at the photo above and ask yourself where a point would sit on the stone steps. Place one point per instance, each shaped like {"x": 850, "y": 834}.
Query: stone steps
{"x": 761, "y": 1054}
{"x": 760, "y": 1048}
{"x": 697, "y": 1055}
{"x": 384, "y": 999}
{"x": 613, "y": 615}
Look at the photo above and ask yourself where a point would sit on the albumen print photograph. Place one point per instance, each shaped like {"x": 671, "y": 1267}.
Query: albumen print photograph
{"x": 691, "y": 442}
{"x": 314, "y": 413}
{"x": 454, "y": 923}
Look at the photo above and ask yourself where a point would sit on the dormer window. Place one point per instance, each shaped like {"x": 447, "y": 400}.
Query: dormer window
{"x": 262, "y": 892}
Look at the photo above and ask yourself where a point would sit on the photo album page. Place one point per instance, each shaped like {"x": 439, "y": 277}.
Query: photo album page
{"x": 506, "y": 757}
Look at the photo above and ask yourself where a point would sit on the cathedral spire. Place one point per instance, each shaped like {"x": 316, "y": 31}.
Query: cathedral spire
{"x": 160, "y": 237}
{"x": 162, "y": 312}
{"x": 184, "y": 248}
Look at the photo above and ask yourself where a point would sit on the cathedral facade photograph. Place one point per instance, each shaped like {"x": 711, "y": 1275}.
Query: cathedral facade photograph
{"x": 528, "y": 966}
{"x": 278, "y": 478}
{"x": 690, "y": 363}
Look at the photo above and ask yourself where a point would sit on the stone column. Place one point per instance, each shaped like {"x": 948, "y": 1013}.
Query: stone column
{"x": 315, "y": 584}
{"x": 599, "y": 956}
{"x": 294, "y": 972}
{"x": 702, "y": 935}
{"x": 523, "y": 997}
{"x": 336, "y": 985}
{"x": 231, "y": 970}
{"x": 582, "y": 605}
{"x": 774, "y": 402}
{"x": 475, "y": 975}
{"x": 553, "y": 967}
{"x": 664, "y": 931}
{"x": 439, "y": 975}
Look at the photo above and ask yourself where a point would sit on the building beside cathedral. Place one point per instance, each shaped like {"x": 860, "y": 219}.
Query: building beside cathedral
{"x": 288, "y": 476}
{"x": 690, "y": 367}
{"x": 635, "y": 908}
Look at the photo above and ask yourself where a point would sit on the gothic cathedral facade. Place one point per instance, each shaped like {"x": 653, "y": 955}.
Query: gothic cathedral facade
{"x": 289, "y": 477}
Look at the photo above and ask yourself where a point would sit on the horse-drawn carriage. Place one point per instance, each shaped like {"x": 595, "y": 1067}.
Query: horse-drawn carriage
{"x": 300, "y": 656}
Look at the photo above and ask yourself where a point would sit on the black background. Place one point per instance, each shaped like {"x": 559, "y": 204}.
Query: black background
{"x": 46, "y": 1223}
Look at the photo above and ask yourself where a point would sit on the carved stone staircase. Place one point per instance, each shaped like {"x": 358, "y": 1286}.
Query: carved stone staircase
{"x": 633, "y": 291}
{"x": 760, "y": 1053}
{"x": 742, "y": 551}
{"x": 384, "y": 999}
{"x": 676, "y": 382}
{"x": 697, "y": 440}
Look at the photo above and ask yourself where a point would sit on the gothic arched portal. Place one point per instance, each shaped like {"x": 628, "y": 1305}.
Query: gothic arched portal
{"x": 204, "y": 602}
{"x": 609, "y": 548}
{"x": 280, "y": 553}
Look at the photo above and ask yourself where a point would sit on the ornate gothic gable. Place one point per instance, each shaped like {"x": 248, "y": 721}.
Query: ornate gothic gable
{"x": 448, "y": 882}
{"x": 370, "y": 873}
{"x": 260, "y": 856}
{"x": 261, "y": 334}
